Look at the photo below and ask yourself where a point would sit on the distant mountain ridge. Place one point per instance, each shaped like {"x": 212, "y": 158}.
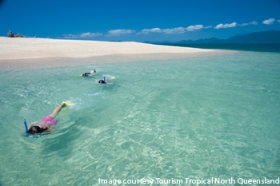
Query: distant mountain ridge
{"x": 265, "y": 37}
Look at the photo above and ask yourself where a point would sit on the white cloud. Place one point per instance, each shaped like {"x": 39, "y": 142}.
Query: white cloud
{"x": 269, "y": 21}
{"x": 177, "y": 30}
{"x": 250, "y": 23}
{"x": 253, "y": 23}
{"x": 90, "y": 34}
{"x": 151, "y": 30}
{"x": 194, "y": 27}
{"x": 82, "y": 35}
{"x": 226, "y": 25}
{"x": 118, "y": 32}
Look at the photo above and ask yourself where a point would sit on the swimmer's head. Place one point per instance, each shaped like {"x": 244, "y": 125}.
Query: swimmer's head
{"x": 35, "y": 129}
{"x": 102, "y": 81}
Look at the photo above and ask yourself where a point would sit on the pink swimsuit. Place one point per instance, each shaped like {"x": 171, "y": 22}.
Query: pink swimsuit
{"x": 49, "y": 120}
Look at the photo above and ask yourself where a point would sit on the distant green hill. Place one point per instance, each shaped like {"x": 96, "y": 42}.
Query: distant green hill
{"x": 265, "y": 37}
{"x": 257, "y": 38}
{"x": 267, "y": 41}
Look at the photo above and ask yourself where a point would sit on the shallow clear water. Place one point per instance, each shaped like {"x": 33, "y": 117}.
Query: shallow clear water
{"x": 195, "y": 117}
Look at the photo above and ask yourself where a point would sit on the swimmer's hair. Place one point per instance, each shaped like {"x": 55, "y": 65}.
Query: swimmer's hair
{"x": 35, "y": 129}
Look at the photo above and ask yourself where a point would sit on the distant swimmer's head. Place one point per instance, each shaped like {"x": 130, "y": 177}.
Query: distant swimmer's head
{"x": 35, "y": 129}
{"x": 102, "y": 81}
{"x": 86, "y": 74}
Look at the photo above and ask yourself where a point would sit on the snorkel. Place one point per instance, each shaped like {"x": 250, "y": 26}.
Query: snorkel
{"x": 26, "y": 127}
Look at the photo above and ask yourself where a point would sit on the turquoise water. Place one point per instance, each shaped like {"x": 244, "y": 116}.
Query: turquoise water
{"x": 199, "y": 117}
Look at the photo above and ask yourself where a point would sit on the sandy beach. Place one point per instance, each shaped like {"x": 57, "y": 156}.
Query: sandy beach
{"x": 34, "y": 48}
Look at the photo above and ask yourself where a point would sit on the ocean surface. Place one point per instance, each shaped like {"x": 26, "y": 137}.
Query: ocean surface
{"x": 194, "y": 117}
{"x": 243, "y": 47}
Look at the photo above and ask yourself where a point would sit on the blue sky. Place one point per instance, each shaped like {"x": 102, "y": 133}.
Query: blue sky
{"x": 138, "y": 20}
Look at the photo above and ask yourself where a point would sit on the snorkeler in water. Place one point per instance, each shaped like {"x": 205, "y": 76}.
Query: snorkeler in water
{"x": 46, "y": 123}
{"x": 88, "y": 74}
{"x": 102, "y": 81}
{"x": 107, "y": 79}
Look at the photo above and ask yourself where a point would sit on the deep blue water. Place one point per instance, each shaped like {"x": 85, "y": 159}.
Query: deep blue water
{"x": 243, "y": 47}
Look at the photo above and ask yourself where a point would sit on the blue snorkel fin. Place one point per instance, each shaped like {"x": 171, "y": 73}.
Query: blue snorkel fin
{"x": 26, "y": 127}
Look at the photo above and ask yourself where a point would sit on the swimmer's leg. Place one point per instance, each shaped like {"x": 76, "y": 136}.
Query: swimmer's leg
{"x": 57, "y": 110}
